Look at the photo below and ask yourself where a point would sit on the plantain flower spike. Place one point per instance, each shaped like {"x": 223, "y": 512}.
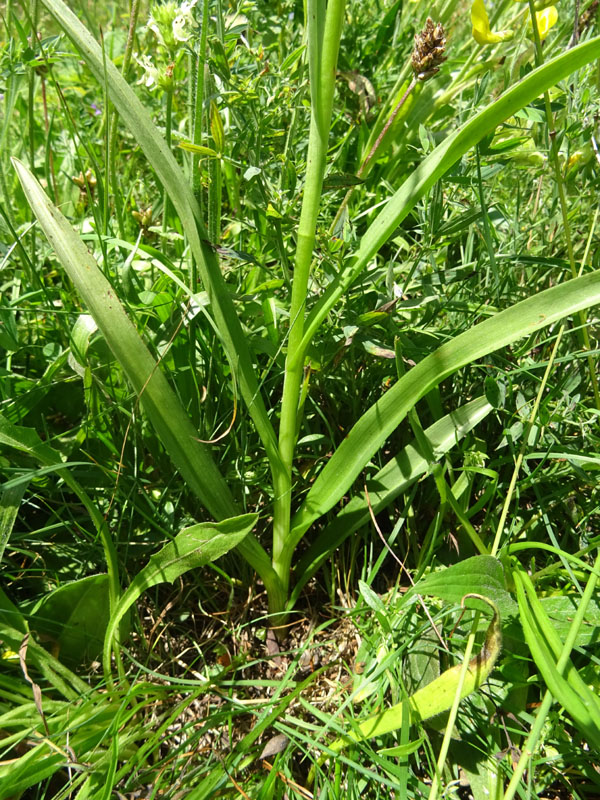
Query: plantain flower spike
{"x": 482, "y": 32}
{"x": 429, "y": 49}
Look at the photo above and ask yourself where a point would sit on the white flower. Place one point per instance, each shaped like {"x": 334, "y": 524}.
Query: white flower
{"x": 151, "y": 74}
{"x": 183, "y": 20}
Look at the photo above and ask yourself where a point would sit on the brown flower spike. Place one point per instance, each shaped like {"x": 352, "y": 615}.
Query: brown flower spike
{"x": 429, "y": 49}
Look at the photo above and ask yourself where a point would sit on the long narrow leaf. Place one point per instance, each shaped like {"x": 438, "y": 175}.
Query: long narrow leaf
{"x": 374, "y": 427}
{"x": 579, "y": 705}
{"x": 137, "y": 118}
{"x": 160, "y": 402}
{"x": 394, "y": 478}
{"x": 439, "y": 162}
{"x": 547, "y": 631}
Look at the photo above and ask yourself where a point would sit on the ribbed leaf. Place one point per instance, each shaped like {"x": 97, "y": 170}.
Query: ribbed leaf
{"x": 137, "y": 118}
{"x": 374, "y": 427}
{"x": 160, "y": 402}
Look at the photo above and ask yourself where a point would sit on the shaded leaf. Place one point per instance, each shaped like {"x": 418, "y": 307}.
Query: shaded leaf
{"x": 191, "y": 548}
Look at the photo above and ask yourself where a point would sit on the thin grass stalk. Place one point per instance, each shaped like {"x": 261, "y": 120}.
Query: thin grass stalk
{"x": 453, "y": 713}
{"x": 323, "y": 45}
{"x": 519, "y": 461}
{"x": 485, "y": 219}
{"x": 214, "y": 170}
{"x": 562, "y": 196}
{"x": 168, "y": 128}
{"x": 109, "y": 118}
{"x": 112, "y": 163}
{"x": 540, "y": 720}
{"x": 199, "y": 62}
{"x": 524, "y": 444}
{"x": 31, "y": 115}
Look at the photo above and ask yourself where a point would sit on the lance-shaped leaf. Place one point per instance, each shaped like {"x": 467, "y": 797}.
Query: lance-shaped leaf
{"x": 374, "y": 427}
{"x": 191, "y": 548}
{"x": 160, "y": 402}
{"x": 153, "y": 145}
{"x": 167, "y": 415}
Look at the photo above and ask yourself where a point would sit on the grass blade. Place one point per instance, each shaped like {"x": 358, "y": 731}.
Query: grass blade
{"x": 160, "y": 402}
{"x": 571, "y": 692}
{"x": 168, "y": 417}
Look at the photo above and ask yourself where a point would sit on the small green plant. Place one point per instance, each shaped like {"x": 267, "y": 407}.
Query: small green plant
{"x": 276, "y": 486}
{"x": 290, "y": 523}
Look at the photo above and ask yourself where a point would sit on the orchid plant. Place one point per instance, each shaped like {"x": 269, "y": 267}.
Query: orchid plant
{"x": 296, "y": 509}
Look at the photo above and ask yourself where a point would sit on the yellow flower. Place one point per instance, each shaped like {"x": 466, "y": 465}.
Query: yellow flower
{"x": 481, "y": 26}
{"x": 545, "y": 19}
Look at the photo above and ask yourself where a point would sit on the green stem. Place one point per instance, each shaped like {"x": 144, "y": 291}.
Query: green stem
{"x": 525, "y": 444}
{"x": 323, "y": 45}
{"x": 114, "y": 174}
{"x": 168, "y": 124}
{"x": 31, "y": 125}
{"x": 564, "y": 210}
{"x": 199, "y": 103}
{"x": 435, "y": 783}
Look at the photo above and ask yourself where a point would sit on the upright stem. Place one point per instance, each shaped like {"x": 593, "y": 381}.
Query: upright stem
{"x": 31, "y": 114}
{"x": 168, "y": 127}
{"x": 114, "y": 175}
{"x": 562, "y": 196}
{"x": 199, "y": 102}
{"x": 324, "y": 33}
